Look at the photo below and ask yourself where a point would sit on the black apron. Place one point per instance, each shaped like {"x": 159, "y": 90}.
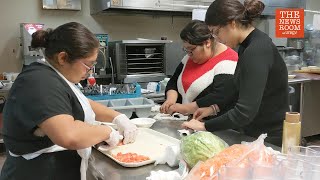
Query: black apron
{"x": 62, "y": 165}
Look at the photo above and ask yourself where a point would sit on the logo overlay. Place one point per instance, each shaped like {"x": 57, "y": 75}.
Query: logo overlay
{"x": 289, "y": 23}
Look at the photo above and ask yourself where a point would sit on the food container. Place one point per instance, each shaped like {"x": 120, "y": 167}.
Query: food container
{"x": 292, "y": 60}
{"x": 143, "y": 122}
{"x": 141, "y": 106}
{"x": 292, "y": 68}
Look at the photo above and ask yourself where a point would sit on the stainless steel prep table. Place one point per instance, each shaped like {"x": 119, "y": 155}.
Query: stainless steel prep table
{"x": 113, "y": 171}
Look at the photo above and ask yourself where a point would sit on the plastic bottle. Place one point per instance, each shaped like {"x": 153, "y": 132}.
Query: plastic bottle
{"x": 291, "y": 131}
{"x": 91, "y": 80}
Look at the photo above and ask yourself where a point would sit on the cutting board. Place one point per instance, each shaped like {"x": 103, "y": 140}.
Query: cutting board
{"x": 308, "y": 70}
{"x": 148, "y": 143}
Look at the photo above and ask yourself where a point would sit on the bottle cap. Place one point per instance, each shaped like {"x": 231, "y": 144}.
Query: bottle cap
{"x": 293, "y": 117}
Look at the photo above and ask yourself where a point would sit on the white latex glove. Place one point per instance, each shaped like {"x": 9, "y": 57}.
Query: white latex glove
{"x": 114, "y": 138}
{"x": 126, "y": 128}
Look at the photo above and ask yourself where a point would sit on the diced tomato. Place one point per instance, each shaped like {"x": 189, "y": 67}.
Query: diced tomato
{"x": 130, "y": 157}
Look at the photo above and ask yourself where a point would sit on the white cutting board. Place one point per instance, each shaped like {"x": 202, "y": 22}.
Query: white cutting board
{"x": 148, "y": 143}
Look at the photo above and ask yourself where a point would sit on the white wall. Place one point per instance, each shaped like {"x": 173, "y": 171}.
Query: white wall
{"x": 13, "y": 12}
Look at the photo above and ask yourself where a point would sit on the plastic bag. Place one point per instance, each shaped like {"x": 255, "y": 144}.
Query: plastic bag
{"x": 177, "y": 174}
{"x": 171, "y": 156}
{"x": 257, "y": 153}
{"x": 200, "y": 146}
{"x": 208, "y": 170}
{"x": 237, "y": 155}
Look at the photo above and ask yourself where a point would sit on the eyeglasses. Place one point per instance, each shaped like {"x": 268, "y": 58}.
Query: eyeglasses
{"x": 87, "y": 67}
{"x": 189, "y": 51}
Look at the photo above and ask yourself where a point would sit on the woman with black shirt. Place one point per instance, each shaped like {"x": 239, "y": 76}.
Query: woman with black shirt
{"x": 261, "y": 77}
{"x": 48, "y": 123}
{"x": 204, "y": 75}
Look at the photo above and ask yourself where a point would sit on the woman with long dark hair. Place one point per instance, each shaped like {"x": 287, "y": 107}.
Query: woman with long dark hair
{"x": 261, "y": 77}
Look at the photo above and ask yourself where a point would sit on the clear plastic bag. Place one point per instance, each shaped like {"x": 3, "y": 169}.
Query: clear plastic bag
{"x": 209, "y": 169}
{"x": 234, "y": 157}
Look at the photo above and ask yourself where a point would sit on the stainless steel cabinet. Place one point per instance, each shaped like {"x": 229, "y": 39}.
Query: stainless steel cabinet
{"x": 182, "y": 5}
{"x": 140, "y": 4}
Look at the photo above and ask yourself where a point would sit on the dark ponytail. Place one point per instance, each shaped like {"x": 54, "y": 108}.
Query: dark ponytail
{"x": 253, "y": 9}
{"x": 196, "y": 32}
{"x": 40, "y": 38}
{"x": 222, "y": 12}
{"x": 73, "y": 38}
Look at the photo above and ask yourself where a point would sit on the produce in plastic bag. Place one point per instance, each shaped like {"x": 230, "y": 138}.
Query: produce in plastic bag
{"x": 209, "y": 169}
{"x": 237, "y": 155}
{"x": 258, "y": 153}
{"x": 200, "y": 146}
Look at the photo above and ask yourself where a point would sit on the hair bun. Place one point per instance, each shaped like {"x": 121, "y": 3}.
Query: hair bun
{"x": 253, "y": 9}
{"x": 40, "y": 38}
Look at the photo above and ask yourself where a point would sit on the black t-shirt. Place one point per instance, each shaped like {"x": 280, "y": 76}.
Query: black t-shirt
{"x": 37, "y": 94}
{"x": 261, "y": 78}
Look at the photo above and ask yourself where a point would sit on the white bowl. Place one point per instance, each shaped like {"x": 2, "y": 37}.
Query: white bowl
{"x": 143, "y": 122}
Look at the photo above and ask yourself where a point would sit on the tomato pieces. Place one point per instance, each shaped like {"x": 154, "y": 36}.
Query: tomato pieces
{"x": 130, "y": 157}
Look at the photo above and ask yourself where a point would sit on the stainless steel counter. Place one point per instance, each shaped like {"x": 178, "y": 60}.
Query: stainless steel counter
{"x": 113, "y": 171}
{"x": 304, "y": 78}
{"x": 298, "y": 80}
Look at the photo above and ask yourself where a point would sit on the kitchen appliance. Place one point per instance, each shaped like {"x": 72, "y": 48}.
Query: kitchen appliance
{"x": 293, "y": 63}
{"x": 4, "y": 91}
{"x": 312, "y": 47}
{"x": 139, "y": 60}
{"x": 174, "y": 55}
{"x": 103, "y": 56}
{"x": 29, "y": 55}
